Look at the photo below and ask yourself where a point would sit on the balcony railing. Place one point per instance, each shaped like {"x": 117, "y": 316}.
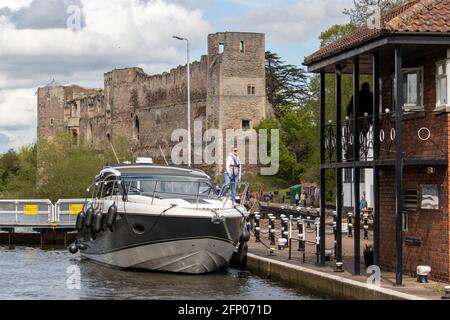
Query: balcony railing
{"x": 424, "y": 137}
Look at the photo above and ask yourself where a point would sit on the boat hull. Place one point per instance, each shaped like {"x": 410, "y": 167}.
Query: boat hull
{"x": 194, "y": 245}
{"x": 194, "y": 256}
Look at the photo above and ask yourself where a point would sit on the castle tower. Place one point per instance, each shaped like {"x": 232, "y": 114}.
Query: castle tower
{"x": 236, "y": 82}
{"x": 50, "y": 111}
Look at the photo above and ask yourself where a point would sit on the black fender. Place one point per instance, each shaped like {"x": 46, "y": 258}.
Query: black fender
{"x": 239, "y": 258}
{"x": 245, "y": 237}
{"x": 89, "y": 217}
{"x": 97, "y": 223}
{"x": 111, "y": 216}
{"x": 80, "y": 221}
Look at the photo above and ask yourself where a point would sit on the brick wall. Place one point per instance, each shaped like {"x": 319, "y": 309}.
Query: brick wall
{"x": 431, "y": 227}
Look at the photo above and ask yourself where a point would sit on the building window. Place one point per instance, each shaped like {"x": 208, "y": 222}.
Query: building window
{"x": 347, "y": 175}
{"x": 251, "y": 90}
{"x": 221, "y": 48}
{"x": 52, "y": 122}
{"x": 108, "y": 137}
{"x": 412, "y": 89}
{"x": 241, "y": 46}
{"x": 246, "y": 125}
{"x": 442, "y": 83}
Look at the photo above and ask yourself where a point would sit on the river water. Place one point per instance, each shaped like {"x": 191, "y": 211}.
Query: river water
{"x": 35, "y": 273}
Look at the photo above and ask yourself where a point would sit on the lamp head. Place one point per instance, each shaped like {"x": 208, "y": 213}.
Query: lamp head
{"x": 178, "y": 38}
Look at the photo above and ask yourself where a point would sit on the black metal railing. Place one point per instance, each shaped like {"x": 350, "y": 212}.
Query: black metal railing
{"x": 424, "y": 137}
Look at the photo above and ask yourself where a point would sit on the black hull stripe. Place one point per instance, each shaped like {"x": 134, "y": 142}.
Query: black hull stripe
{"x": 154, "y": 242}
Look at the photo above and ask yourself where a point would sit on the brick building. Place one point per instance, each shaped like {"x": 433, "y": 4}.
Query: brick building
{"x": 407, "y": 147}
{"x": 227, "y": 91}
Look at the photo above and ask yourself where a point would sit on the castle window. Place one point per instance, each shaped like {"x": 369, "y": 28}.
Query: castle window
{"x": 221, "y": 48}
{"x": 89, "y": 135}
{"x": 246, "y": 125}
{"x": 52, "y": 121}
{"x": 108, "y": 137}
{"x": 136, "y": 128}
{"x": 250, "y": 90}
{"x": 241, "y": 46}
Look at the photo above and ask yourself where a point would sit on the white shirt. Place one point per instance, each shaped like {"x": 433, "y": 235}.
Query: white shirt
{"x": 231, "y": 162}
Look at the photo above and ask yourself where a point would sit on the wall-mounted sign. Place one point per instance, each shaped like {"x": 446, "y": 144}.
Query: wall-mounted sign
{"x": 430, "y": 196}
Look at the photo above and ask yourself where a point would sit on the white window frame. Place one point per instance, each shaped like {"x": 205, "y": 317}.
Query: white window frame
{"x": 446, "y": 64}
{"x": 420, "y": 105}
{"x": 409, "y": 107}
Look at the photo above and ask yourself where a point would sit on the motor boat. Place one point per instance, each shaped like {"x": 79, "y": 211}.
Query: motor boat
{"x": 160, "y": 218}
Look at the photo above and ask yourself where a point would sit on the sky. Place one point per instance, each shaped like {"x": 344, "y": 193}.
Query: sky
{"x": 77, "y": 41}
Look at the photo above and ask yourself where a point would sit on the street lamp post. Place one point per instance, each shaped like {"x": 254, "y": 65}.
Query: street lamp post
{"x": 188, "y": 97}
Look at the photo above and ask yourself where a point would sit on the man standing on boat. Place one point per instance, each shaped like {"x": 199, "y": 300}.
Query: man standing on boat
{"x": 232, "y": 173}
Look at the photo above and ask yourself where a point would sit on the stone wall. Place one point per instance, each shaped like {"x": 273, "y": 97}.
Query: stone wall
{"x": 227, "y": 88}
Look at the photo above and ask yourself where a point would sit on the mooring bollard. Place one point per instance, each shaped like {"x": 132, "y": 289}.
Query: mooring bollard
{"x": 258, "y": 227}
{"x": 285, "y": 228}
{"x": 300, "y": 233}
{"x": 271, "y": 225}
{"x": 366, "y": 226}
{"x": 339, "y": 267}
{"x": 272, "y": 237}
{"x": 446, "y": 295}
{"x": 282, "y": 243}
{"x": 349, "y": 224}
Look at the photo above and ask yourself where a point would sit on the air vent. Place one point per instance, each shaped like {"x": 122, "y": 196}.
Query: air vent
{"x": 411, "y": 199}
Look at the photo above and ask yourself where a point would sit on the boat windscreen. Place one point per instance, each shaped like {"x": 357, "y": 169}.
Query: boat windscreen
{"x": 164, "y": 187}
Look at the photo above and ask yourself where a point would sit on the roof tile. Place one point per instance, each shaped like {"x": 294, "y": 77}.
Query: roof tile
{"x": 414, "y": 16}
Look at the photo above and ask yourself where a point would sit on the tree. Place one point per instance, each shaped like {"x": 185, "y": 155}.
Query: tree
{"x": 335, "y": 32}
{"x": 286, "y": 84}
{"x": 23, "y": 183}
{"x": 289, "y": 168}
{"x": 64, "y": 169}
{"x": 363, "y": 9}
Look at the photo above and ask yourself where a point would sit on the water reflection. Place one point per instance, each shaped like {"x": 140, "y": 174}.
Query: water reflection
{"x": 34, "y": 273}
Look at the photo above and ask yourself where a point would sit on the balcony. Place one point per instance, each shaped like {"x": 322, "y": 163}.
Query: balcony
{"x": 424, "y": 140}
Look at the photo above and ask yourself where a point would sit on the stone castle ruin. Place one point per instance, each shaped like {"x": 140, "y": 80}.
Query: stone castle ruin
{"x": 227, "y": 92}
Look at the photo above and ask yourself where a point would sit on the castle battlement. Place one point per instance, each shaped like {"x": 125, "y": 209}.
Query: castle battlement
{"x": 227, "y": 91}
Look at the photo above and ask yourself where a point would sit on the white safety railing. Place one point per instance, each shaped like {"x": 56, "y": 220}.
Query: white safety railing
{"x": 26, "y": 212}
{"x": 66, "y": 210}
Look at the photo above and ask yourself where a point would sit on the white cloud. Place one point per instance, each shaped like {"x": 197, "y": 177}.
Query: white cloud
{"x": 115, "y": 34}
{"x": 298, "y": 21}
{"x": 15, "y": 4}
{"x": 17, "y": 118}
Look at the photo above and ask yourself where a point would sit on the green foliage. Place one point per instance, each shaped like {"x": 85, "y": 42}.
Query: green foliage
{"x": 286, "y": 84}
{"x": 64, "y": 169}
{"x": 299, "y": 144}
{"x": 335, "y": 32}
{"x": 23, "y": 182}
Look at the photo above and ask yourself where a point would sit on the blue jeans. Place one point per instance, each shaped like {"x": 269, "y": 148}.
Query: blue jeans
{"x": 232, "y": 182}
